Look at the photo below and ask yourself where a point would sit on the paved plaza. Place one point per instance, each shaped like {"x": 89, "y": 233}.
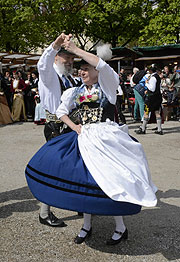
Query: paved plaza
{"x": 154, "y": 234}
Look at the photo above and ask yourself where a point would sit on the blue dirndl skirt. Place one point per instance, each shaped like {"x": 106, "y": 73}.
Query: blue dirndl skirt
{"x": 57, "y": 176}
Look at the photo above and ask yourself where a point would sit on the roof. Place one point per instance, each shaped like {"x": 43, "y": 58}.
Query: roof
{"x": 18, "y": 59}
{"x": 124, "y": 51}
{"x": 157, "y": 57}
{"x": 156, "y": 48}
{"x": 159, "y": 51}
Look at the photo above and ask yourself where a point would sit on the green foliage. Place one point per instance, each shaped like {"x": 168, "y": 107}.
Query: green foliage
{"x": 164, "y": 23}
{"x": 115, "y": 22}
{"x": 20, "y": 25}
{"x": 29, "y": 24}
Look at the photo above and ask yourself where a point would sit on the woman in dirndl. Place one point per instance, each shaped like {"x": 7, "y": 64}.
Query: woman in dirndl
{"x": 97, "y": 167}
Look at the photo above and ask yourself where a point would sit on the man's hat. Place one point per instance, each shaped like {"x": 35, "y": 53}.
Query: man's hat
{"x": 63, "y": 50}
{"x": 82, "y": 62}
{"x": 153, "y": 67}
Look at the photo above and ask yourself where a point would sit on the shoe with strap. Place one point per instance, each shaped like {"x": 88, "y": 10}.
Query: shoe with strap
{"x": 122, "y": 236}
{"x": 79, "y": 240}
{"x": 52, "y": 221}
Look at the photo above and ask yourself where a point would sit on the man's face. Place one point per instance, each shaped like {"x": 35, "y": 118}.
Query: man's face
{"x": 89, "y": 74}
{"x": 166, "y": 69}
{"x": 66, "y": 60}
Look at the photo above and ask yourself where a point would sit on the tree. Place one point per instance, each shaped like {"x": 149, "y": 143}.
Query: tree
{"x": 163, "y": 23}
{"x": 29, "y": 24}
{"x": 20, "y": 24}
{"x": 117, "y": 21}
{"x": 26, "y": 25}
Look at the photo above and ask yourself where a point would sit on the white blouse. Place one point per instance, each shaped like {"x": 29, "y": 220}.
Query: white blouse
{"x": 108, "y": 80}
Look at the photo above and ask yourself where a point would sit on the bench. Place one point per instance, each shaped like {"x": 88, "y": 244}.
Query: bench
{"x": 167, "y": 110}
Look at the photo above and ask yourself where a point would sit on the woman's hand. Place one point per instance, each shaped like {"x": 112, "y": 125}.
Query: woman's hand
{"x": 60, "y": 40}
{"x": 74, "y": 127}
{"x": 77, "y": 128}
{"x": 69, "y": 45}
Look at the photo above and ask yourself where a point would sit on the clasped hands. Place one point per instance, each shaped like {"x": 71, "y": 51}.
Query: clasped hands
{"x": 64, "y": 41}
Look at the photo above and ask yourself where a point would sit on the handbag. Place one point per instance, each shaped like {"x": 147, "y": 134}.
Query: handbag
{"x": 140, "y": 89}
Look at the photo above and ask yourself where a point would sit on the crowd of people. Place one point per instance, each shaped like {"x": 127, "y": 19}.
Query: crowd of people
{"x": 148, "y": 93}
{"x": 20, "y": 100}
{"x": 19, "y": 93}
{"x": 19, "y": 97}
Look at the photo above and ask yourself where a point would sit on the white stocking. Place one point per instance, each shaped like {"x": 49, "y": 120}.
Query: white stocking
{"x": 44, "y": 211}
{"x": 87, "y": 225}
{"x": 120, "y": 227}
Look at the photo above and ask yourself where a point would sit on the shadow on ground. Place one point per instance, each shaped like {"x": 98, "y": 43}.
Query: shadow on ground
{"x": 152, "y": 231}
{"x": 166, "y": 130}
{"x": 26, "y": 203}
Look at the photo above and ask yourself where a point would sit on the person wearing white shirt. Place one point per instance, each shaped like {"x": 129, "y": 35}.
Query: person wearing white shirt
{"x": 54, "y": 67}
{"x": 153, "y": 100}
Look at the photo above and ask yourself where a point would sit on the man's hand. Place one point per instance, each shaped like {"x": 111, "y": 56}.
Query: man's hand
{"x": 60, "y": 40}
{"x": 69, "y": 45}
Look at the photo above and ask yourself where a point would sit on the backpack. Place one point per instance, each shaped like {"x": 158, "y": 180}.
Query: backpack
{"x": 138, "y": 76}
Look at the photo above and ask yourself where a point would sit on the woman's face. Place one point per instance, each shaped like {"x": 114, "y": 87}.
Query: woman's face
{"x": 89, "y": 74}
{"x": 15, "y": 76}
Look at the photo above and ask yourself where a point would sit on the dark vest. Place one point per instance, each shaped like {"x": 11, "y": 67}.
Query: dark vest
{"x": 63, "y": 87}
{"x": 157, "y": 90}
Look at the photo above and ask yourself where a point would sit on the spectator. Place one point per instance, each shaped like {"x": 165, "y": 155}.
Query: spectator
{"x": 175, "y": 79}
{"x": 77, "y": 77}
{"x": 18, "y": 87}
{"x": 6, "y": 82}
{"x": 119, "y": 101}
{"x": 138, "y": 79}
{"x": 32, "y": 87}
{"x": 40, "y": 114}
{"x": 5, "y": 114}
{"x": 122, "y": 79}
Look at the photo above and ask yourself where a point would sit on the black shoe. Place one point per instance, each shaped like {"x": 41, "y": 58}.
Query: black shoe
{"x": 159, "y": 132}
{"x": 79, "y": 240}
{"x": 52, "y": 221}
{"x": 136, "y": 121}
{"x": 140, "y": 131}
{"x": 154, "y": 129}
{"x": 123, "y": 236}
{"x": 80, "y": 214}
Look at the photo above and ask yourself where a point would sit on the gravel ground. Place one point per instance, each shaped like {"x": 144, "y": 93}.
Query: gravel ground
{"x": 154, "y": 234}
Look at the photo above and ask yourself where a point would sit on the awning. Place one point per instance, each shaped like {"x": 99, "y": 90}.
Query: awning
{"x": 12, "y": 60}
{"x": 117, "y": 58}
{"x": 157, "y": 57}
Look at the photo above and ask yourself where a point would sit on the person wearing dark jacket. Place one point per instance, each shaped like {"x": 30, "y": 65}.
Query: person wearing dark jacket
{"x": 153, "y": 100}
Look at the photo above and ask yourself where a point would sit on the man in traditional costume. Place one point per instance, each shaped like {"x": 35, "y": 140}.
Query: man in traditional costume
{"x": 97, "y": 168}
{"x": 153, "y": 101}
{"x": 54, "y": 67}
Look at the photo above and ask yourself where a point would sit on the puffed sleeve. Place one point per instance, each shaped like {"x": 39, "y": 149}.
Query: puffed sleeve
{"x": 67, "y": 102}
{"x": 108, "y": 80}
{"x": 45, "y": 65}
